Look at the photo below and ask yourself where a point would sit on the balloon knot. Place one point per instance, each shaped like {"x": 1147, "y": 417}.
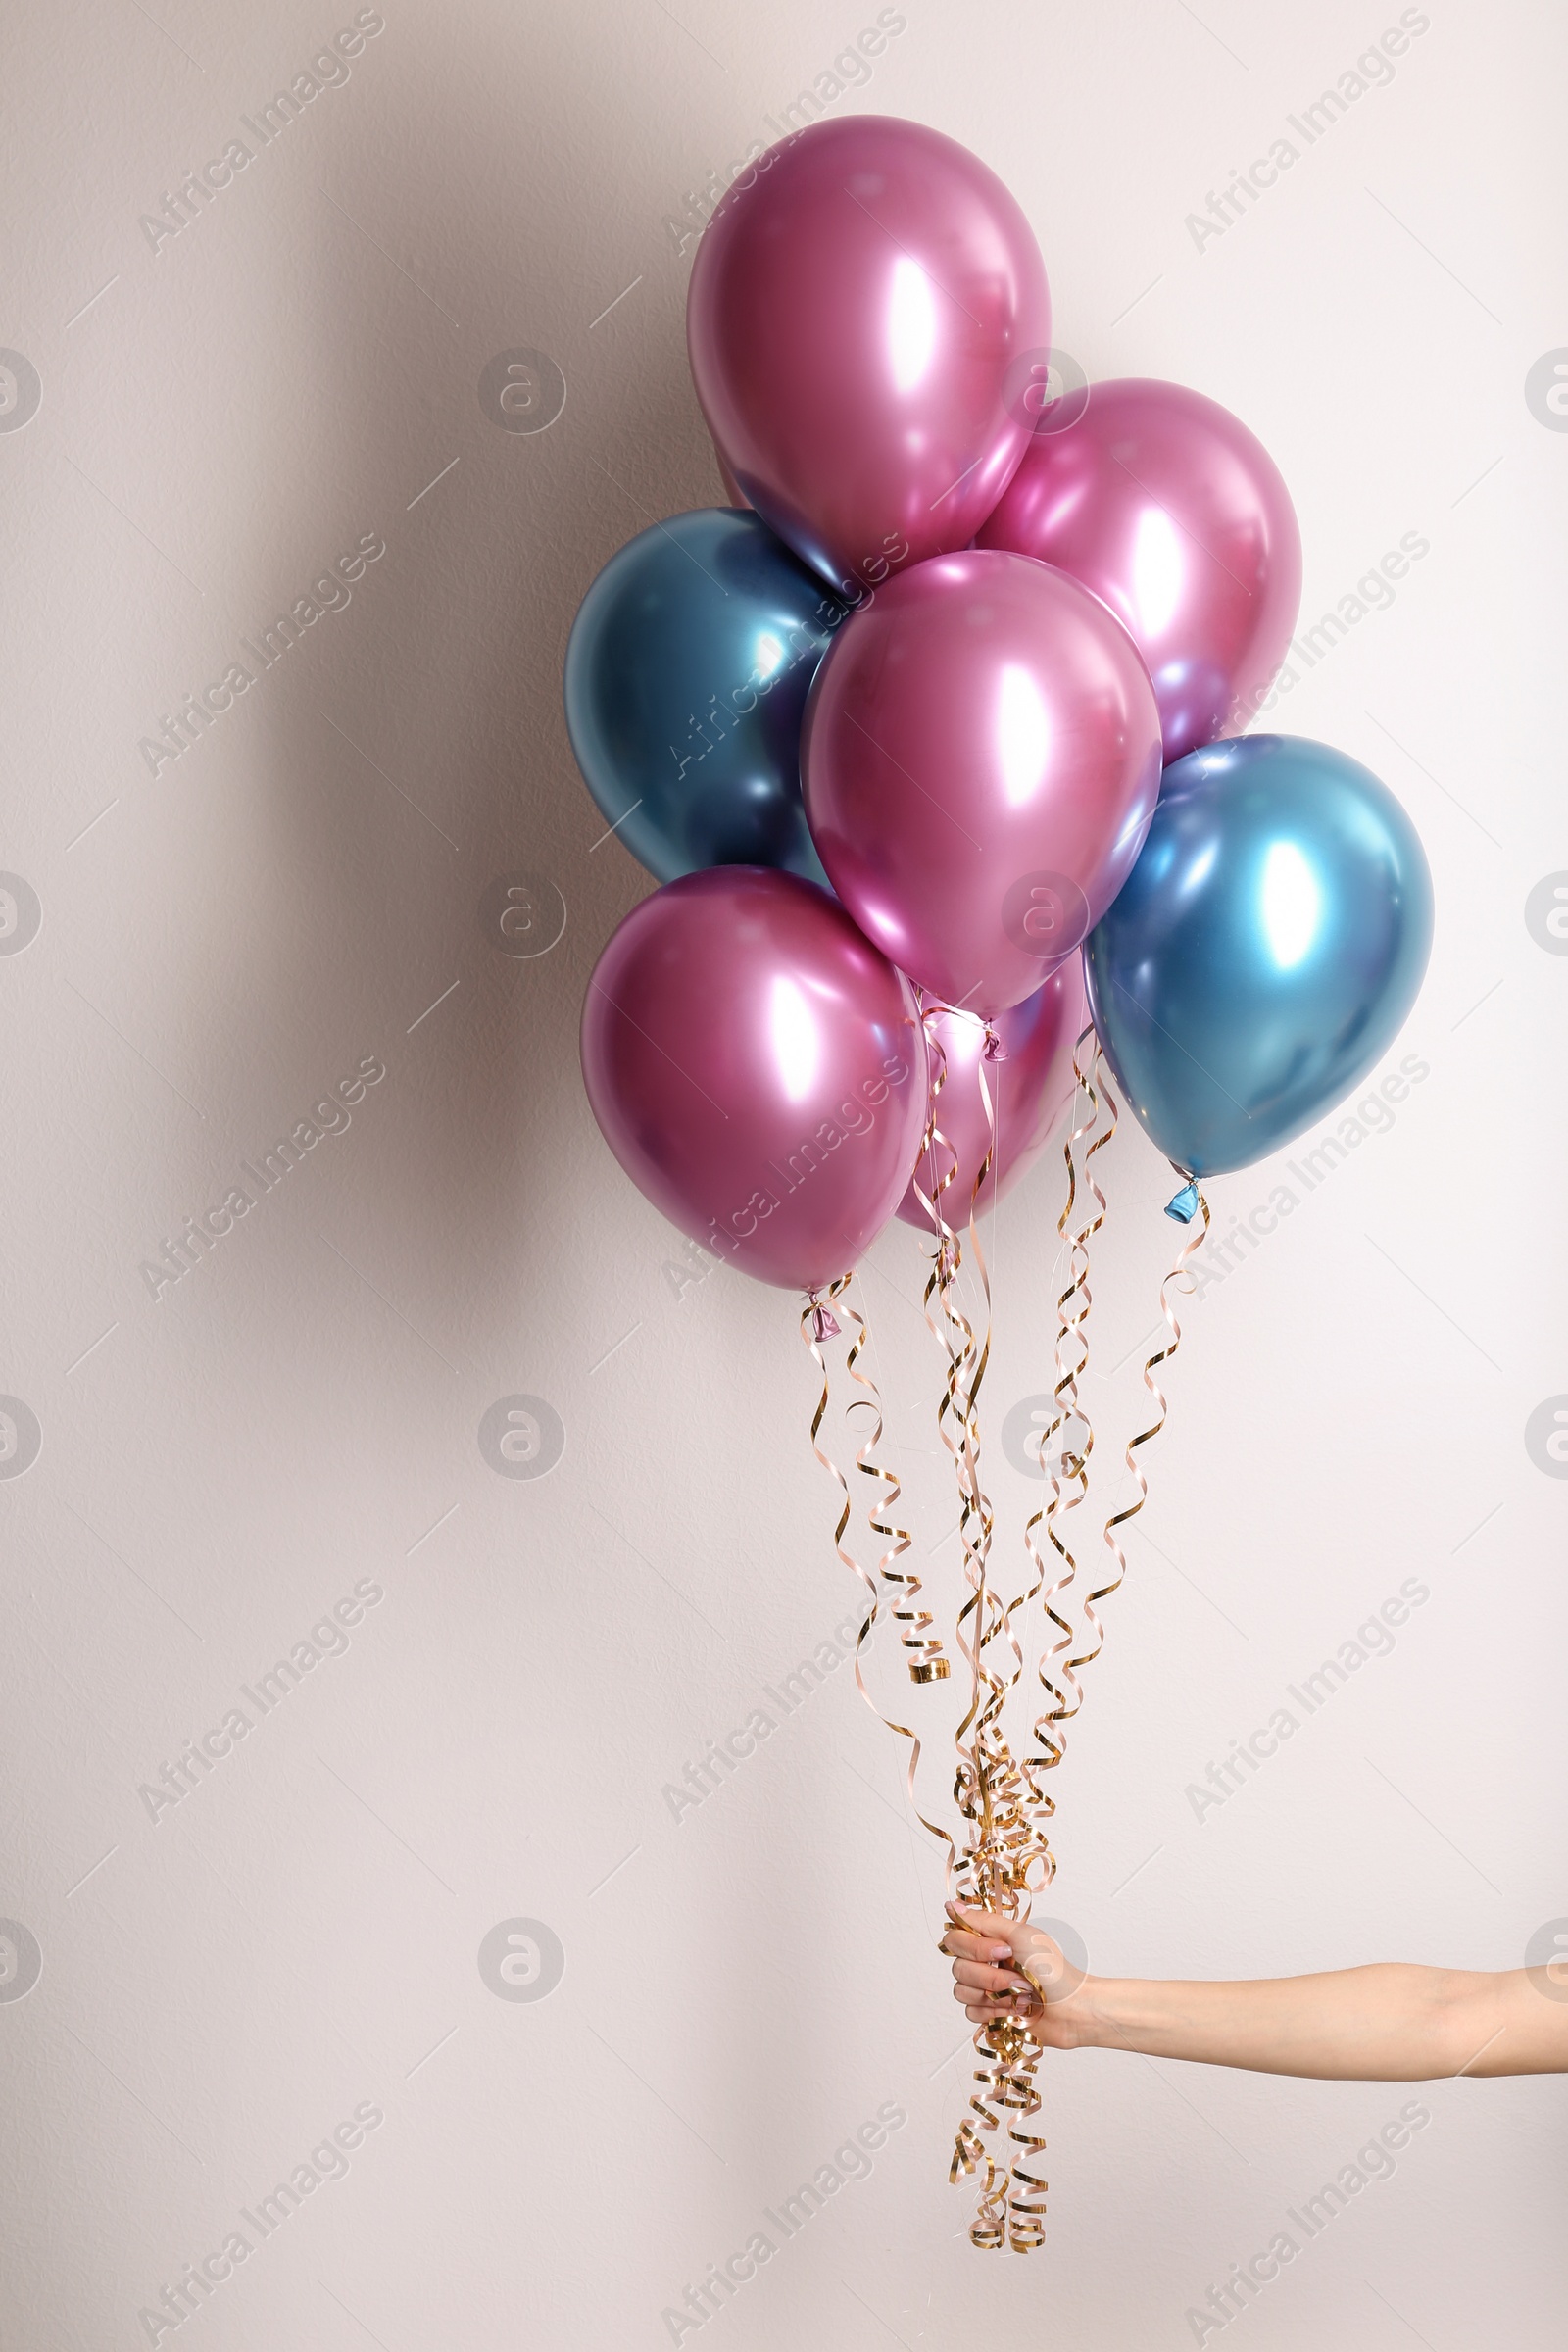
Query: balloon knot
{"x": 993, "y": 1050}
{"x": 1183, "y": 1206}
{"x": 825, "y": 1323}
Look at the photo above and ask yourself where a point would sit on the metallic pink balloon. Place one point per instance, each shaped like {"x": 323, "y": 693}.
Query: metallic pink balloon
{"x": 1165, "y": 506}
{"x": 981, "y": 761}
{"x": 758, "y": 1070}
{"x": 1029, "y": 1091}
{"x": 863, "y": 312}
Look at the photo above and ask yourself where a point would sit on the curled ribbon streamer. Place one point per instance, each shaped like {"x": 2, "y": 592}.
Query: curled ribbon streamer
{"x": 1011, "y": 1839}
{"x": 1012, "y": 2207}
{"x": 957, "y": 1414}
{"x": 989, "y": 1787}
{"x": 1073, "y": 1664}
{"x": 986, "y": 1788}
{"x": 838, "y": 1295}
{"x": 1071, "y": 1360}
{"x": 1005, "y": 1844}
{"x": 1181, "y": 1277}
{"x": 814, "y": 1322}
{"x": 954, "y": 1332}
{"x": 927, "y": 1665}
{"x": 919, "y": 1639}
{"x": 1011, "y": 2204}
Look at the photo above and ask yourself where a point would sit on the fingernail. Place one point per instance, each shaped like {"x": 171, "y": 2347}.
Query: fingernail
{"x": 1001, "y": 1951}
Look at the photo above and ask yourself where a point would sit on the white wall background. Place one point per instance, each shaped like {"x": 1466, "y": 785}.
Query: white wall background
{"x": 220, "y": 944}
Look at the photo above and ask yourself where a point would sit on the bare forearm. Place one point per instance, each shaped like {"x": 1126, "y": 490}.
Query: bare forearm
{"x": 1393, "y": 2023}
{"x": 1390, "y": 2023}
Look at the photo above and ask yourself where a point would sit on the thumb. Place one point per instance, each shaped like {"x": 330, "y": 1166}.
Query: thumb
{"x": 1040, "y": 1958}
{"x": 976, "y": 1921}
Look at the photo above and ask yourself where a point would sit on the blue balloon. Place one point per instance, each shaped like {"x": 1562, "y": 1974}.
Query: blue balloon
{"x": 1264, "y": 950}
{"x": 686, "y": 680}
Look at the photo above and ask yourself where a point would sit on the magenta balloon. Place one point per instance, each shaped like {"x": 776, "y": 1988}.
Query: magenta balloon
{"x": 758, "y": 1070}
{"x": 981, "y": 761}
{"x": 1029, "y": 1091}
{"x": 865, "y": 308}
{"x": 1165, "y": 506}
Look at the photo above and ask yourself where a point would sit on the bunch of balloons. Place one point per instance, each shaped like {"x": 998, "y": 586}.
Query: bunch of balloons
{"x": 936, "y": 666}
{"x": 932, "y": 737}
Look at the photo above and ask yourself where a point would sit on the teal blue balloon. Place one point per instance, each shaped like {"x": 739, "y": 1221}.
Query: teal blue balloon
{"x": 1264, "y": 950}
{"x": 686, "y": 679}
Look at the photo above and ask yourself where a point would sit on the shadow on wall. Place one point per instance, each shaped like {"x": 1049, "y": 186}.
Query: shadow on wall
{"x": 420, "y": 756}
{"x": 411, "y": 751}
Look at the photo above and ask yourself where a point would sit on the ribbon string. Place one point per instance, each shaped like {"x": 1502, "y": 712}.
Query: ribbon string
{"x": 1005, "y": 1844}
{"x": 881, "y": 1518}
{"x": 1069, "y": 1475}
{"x": 1179, "y": 1278}
{"x": 1073, "y": 1663}
{"x": 1003, "y": 1800}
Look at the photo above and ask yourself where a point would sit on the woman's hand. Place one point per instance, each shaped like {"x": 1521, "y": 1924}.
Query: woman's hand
{"x": 1001, "y": 1969}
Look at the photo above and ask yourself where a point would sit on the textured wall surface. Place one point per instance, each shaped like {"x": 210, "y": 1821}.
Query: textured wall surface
{"x": 319, "y": 1923}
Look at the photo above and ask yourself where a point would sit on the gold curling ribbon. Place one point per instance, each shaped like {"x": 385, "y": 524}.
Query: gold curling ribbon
{"x": 928, "y": 1665}
{"x": 957, "y": 1414}
{"x": 1003, "y": 1801}
{"x": 1013, "y": 2206}
{"x": 1007, "y": 1865}
{"x": 1013, "y": 2203}
{"x": 954, "y": 1332}
{"x": 988, "y": 1787}
{"x": 814, "y": 1333}
{"x": 1180, "y": 1278}
{"x": 921, "y": 1643}
{"x": 1005, "y": 1844}
{"x": 1007, "y": 1854}
{"x": 816, "y": 1324}
{"x": 1071, "y": 1363}
{"x": 1072, "y": 1664}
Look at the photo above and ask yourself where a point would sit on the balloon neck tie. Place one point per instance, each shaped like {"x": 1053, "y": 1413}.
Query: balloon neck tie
{"x": 826, "y": 1325}
{"x": 1184, "y": 1205}
{"x": 993, "y": 1050}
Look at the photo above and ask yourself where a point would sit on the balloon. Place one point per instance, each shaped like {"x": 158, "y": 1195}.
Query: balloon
{"x": 758, "y": 1070}
{"x": 686, "y": 674}
{"x": 1266, "y": 951}
{"x": 864, "y": 309}
{"x": 981, "y": 755}
{"x": 1165, "y": 505}
{"x": 1029, "y": 1091}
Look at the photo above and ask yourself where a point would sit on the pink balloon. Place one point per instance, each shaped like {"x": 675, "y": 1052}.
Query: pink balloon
{"x": 865, "y": 308}
{"x": 758, "y": 1070}
{"x": 981, "y": 761}
{"x": 1165, "y": 506}
{"x": 1029, "y": 1091}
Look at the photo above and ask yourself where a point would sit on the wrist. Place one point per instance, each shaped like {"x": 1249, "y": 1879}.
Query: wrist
{"x": 1097, "y": 2012}
{"x": 1077, "y": 2020}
